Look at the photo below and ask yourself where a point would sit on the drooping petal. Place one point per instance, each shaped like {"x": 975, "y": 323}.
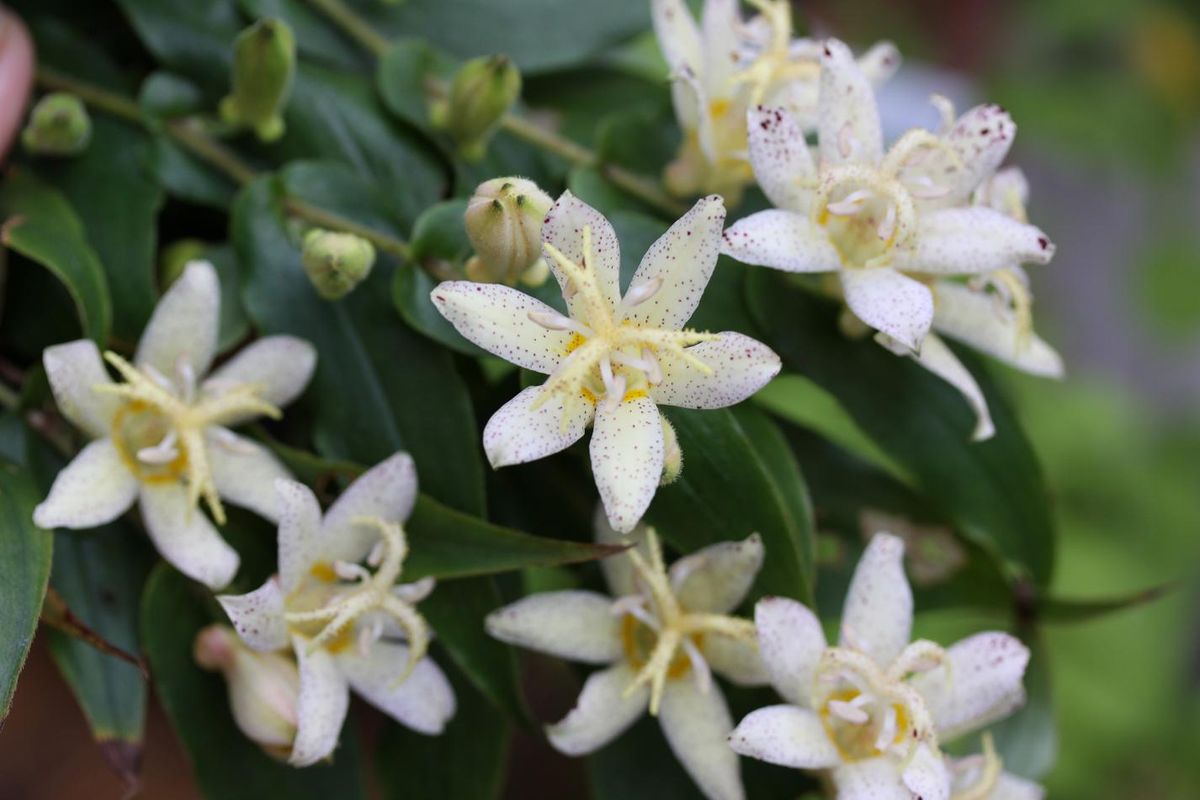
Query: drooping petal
{"x": 574, "y": 624}
{"x": 877, "y": 616}
{"x": 785, "y": 735}
{"x": 961, "y": 241}
{"x": 95, "y": 488}
{"x": 781, "y": 240}
{"x": 185, "y": 537}
{"x": 424, "y": 701}
{"x": 939, "y": 359}
{"x": 184, "y": 323}
{"x": 740, "y": 366}
{"x": 790, "y": 641}
{"x": 75, "y": 370}
{"x": 627, "y": 458}
{"x": 681, "y": 261}
{"x": 563, "y": 228}
{"x": 321, "y": 707}
{"x": 980, "y": 684}
{"x": 715, "y": 579}
{"x": 518, "y": 432}
{"x": 387, "y": 490}
{"x": 677, "y": 33}
{"x": 870, "y": 779}
{"x": 697, "y": 726}
{"x": 978, "y": 141}
{"x": 890, "y": 302}
{"x": 602, "y": 713}
{"x": 258, "y": 616}
{"x": 973, "y": 318}
{"x": 926, "y": 775}
{"x": 1013, "y": 787}
{"x": 497, "y": 318}
{"x": 848, "y": 128}
{"x": 279, "y": 366}
{"x": 783, "y": 166}
{"x": 300, "y": 541}
{"x": 244, "y": 471}
{"x": 618, "y": 569}
{"x": 880, "y": 62}
{"x": 736, "y": 660}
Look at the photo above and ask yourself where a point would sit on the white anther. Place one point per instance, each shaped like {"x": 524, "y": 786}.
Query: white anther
{"x": 849, "y": 205}
{"x": 552, "y": 320}
{"x": 349, "y": 571}
{"x": 635, "y": 606}
{"x": 923, "y": 187}
{"x": 642, "y": 292}
{"x": 159, "y": 378}
{"x": 416, "y": 591}
{"x": 606, "y": 373}
{"x": 887, "y": 731}
{"x": 887, "y": 226}
{"x": 231, "y": 441}
{"x": 614, "y": 393}
{"x": 654, "y": 374}
{"x": 699, "y": 666}
{"x": 848, "y": 712}
{"x": 162, "y": 453}
{"x": 187, "y": 378}
{"x": 369, "y": 635}
{"x": 375, "y": 557}
{"x": 847, "y": 143}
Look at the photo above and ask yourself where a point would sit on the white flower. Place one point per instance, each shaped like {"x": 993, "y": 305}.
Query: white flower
{"x": 343, "y": 618}
{"x": 874, "y": 708}
{"x": 723, "y": 66}
{"x": 662, "y": 637}
{"x": 980, "y": 777}
{"x": 160, "y": 437}
{"x": 615, "y": 358}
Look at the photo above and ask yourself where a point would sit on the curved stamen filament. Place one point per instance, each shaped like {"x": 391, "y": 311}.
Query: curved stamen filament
{"x": 989, "y": 775}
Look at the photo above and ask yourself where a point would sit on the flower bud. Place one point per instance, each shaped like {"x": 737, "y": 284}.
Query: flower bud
{"x": 672, "y": 455}
{"x": 504, "y": 223}
{"x": 59, "y": 125}
{"x": 175, "y": 257}
{"x": 264, "y": 62}
{"x": 263, "y": 687}
{"x": 336, "y": 262}
{"x": 483, "y": 90}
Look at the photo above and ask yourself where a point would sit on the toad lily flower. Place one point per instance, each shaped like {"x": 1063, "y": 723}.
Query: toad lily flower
{"x": 663, "y": 636}
{"x": 874, "y": 708}
{"x": 615, "y": 358}
{"x": 723, "y": 66}
{"x": 161, "y": 438}
{"x": 342, "y": 617}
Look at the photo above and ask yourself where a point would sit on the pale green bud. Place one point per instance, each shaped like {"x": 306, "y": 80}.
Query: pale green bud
{"x": 504, "y": 223}
{"x": 336, "y": 262}
{"x": 175, "y": 257}
{"x": 482, "y": 92}
{"x": 672, "y": 455}
{"x": 264, "y": 688}
{"x": 59, "y": 125}
{"x": 264, "y": 63}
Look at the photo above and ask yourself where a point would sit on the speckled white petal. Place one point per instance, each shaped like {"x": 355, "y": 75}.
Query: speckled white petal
{"x": 785, "y": 735}
{"x": 783, "y": 166}
{"x": 75, "y": 370}
{"x": 574, "y": 624}
{"x": 387, "y": 490}
{"x": 736, "y": 660}
{"x": 683, "y": 258}
{"x": 697, "y": 726}
{"x": 601, "y": 714}
{"x": 496, "y": 318}
{"x": 877, "y": 616}
{"x": 981, "y": 684}
{"x": 790, "y": 641}
{"x": 1013, "y": 787}
{"x": 781, "y": 240}
{"x": 889, "y": 302}
{"x": 95, "y": 488}
{"x": 870, "y": 779}
{"x": 848, "y": 128}
{"x": 618, "y": 569}
{"x": 939, "y": 359}
{"x": 677, "y": 33}
{"x": 184, "y": 323}
{"x": 424, "y": 701}
{"x": 880, "y": 62}
{"x": 960, "y": 241}
{"x": 321, "y": 707}
{"x": 980, "y": 139}
{"x": 563, "y": 228}
{"x": 258, "y": 616}
{"x": 627, "y": 458}
{"x": 974, "y": 318}
{"x": 244, "y": 471}
{"x": 740, "y": 367}
{"x": 185, "y": 537}
{"x": 300, "y": 544}
{"x": 716, "y": 578}
{"x": 279, "y": 366}
{"x": 926, "y": 775}
{"x": 518, "y": 432}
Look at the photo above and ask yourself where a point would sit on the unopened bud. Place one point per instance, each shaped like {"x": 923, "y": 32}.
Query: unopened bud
{"x": 336, "y": 262}
{"x": 483, "y": 90}
{"x": 504, "y": 223}
{"x": 264, "y": 688}
{"x": 175, "y": 257}
{"x": 59, "y": 125}
{"x": 264, "y": 62}
{"x": 672, "y": 455}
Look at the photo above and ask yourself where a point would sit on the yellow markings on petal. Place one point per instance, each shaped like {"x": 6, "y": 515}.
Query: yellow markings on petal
{"x": 634, "y": 394}
{"x": 576, "y": 341}
{"x": 323, "y": 571}
{"x": 719, "y": 108}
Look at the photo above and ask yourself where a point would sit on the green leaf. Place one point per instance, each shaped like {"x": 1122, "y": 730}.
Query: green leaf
{"x": 992, "y": 490}
{"x": 41, "y": 225}
{"x": 228, "y": 766}
{"x": 1054, "y": 610}
{"x": 638, "y": 763}
{"x": 25, "y": 554}
{"x": 194, "y": 38}
{"x": 740, "y": 478}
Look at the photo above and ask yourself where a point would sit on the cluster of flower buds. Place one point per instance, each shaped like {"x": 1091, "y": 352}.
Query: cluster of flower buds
{"x": 336, "y": 262}
{"x": 264, "y": 65}
{"x": 59, "y": 125}
{"x": 481, "y": 93}
{"x": 504, "y": 223}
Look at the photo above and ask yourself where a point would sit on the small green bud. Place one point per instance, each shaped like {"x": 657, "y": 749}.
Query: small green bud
{"x": 175, "y": 257}
{"x": 264, "y": 62}
{"x": 504, "y": 223}
{"x": 483, "y": 91}
{"x": 336, "y": 262}
{"x": 59, "y": 125}
{"x": 672, "y": 455}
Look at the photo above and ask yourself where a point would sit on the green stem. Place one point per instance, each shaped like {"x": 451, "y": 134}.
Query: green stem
{"x": 327, "y": 219}
{"x": 187, "y": 133}
{"x": 354, "y": 26}
{"x": 109, "y": 102}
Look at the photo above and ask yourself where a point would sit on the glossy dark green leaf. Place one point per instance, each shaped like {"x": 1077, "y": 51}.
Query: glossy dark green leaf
{"x": 992, "y": 490}
{"x": 194, "y": 38}
{"x": 227, "y": 765}
{"x": 1052, "y": 609}
{"x": 638, "y": 763}
{"x": 41, "y": 225}
{"x": 164, "y": 95}
{"x": 185, "y": 177}
{"x": 234, "y": 324}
